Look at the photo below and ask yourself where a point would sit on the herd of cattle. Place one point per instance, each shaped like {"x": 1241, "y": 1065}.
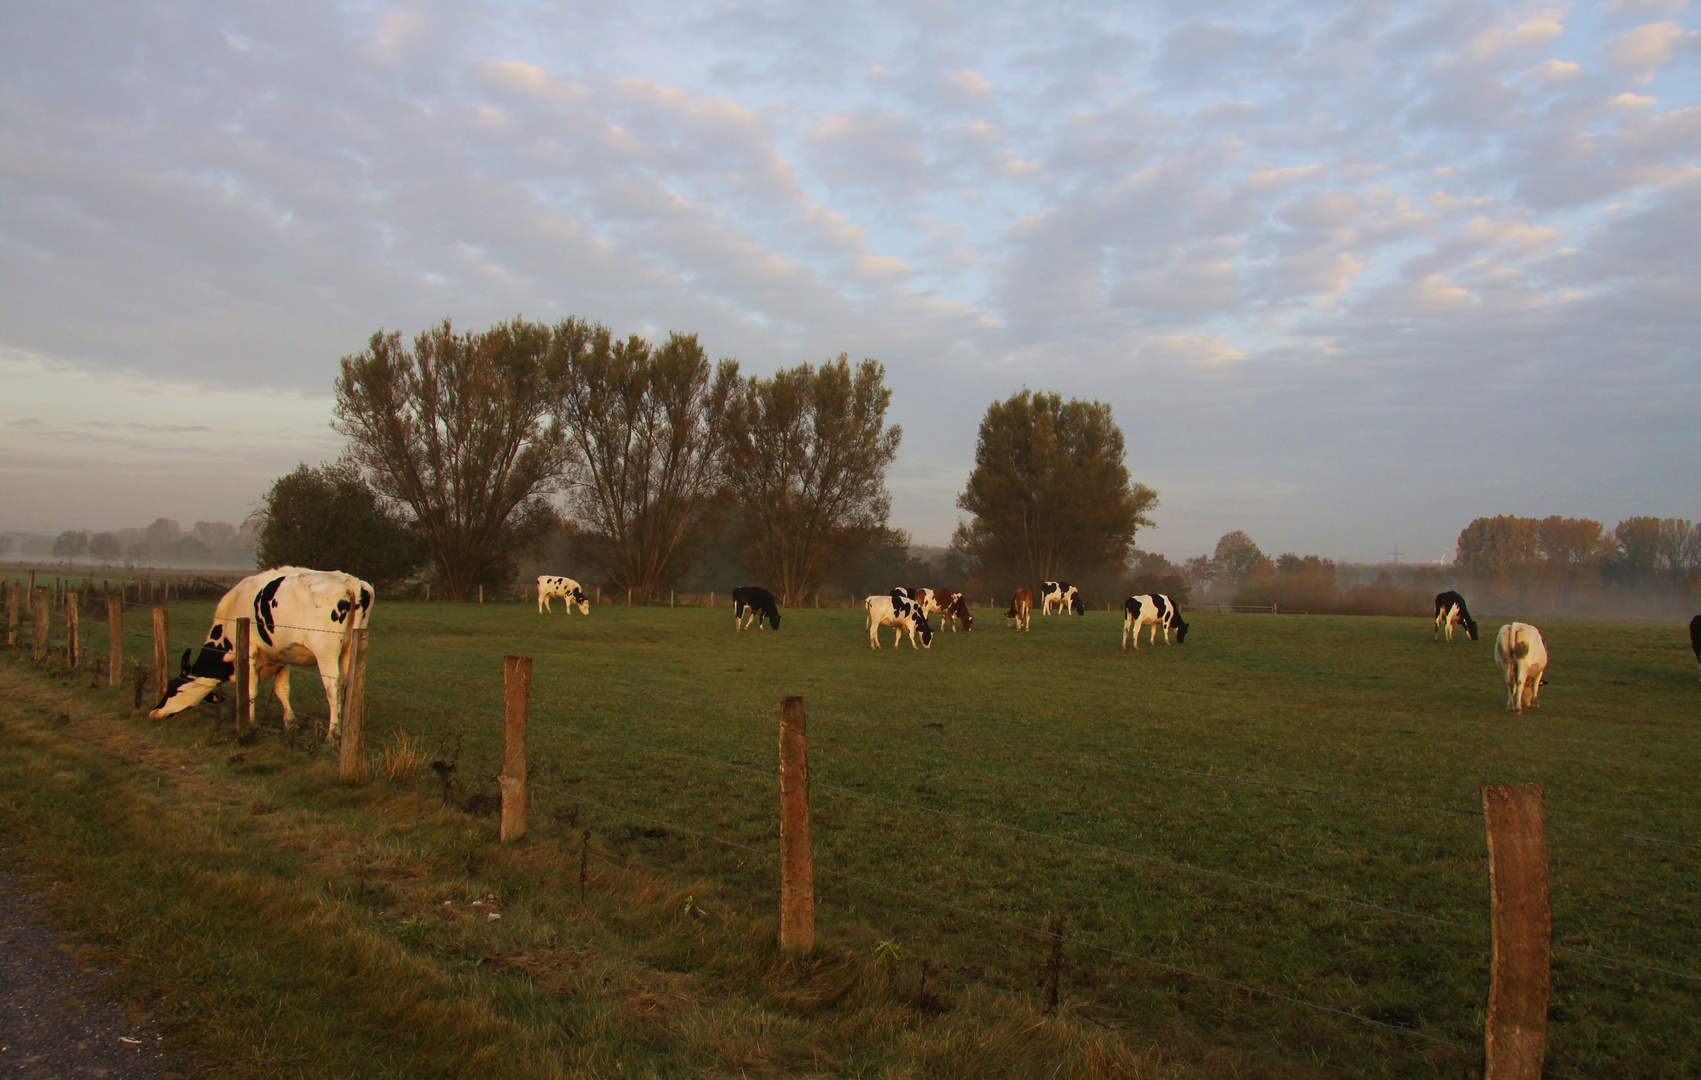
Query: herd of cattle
{"x": 303, "y": 617}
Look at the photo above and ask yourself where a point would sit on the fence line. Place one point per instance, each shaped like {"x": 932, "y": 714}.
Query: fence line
{"x": 1034, "y": 930}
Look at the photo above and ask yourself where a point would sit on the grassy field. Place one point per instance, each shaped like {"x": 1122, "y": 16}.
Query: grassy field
{"x": 968, "y": 795}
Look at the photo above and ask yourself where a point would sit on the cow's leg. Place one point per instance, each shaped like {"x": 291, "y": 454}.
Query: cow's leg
{"x": 280, "y": 687}
{"x": 1126, "y": 619}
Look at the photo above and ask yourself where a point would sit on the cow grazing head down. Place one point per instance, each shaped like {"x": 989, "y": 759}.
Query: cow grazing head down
{"x": 194, "y": 682}
{"x": 1180, "y": 629}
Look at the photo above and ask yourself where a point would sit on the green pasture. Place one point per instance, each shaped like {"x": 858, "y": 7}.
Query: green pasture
{"x": 653, "y": 725}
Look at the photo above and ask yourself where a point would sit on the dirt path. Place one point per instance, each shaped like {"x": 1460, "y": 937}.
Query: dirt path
{"x": 51, "y": 1021}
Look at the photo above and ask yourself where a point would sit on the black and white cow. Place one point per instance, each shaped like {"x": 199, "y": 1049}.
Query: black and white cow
{"x": 1066, "y": 596}
{"x": 1450, "y": 611}
{"x": 1695, "y": 637}
{"x": 1154, "y": 610}
{"x": 899, "y": 611}
{"x": 300, "y": 617}
{"x": 564, "y": 587}
{"x": 757, "y": 603}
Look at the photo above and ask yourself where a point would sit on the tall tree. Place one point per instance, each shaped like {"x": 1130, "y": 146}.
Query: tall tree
{"x": 1237, "y": 557}
{"x": 646, "y": 428}
{"x": 328, "y": 517}
{"x": 461, "y": 430}
{"x": 1050, "y": 494}
{"x": 807, "y": 451}
{"x": 1495, "y": 547}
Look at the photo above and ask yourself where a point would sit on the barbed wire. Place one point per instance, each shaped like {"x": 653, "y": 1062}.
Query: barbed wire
{"x": 1033, "y": 930}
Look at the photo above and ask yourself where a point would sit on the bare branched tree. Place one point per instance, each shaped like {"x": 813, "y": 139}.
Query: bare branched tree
{"x": 646, "y": 429}
{"x": 807, "y": 452}
{"x": 460, "y": 429}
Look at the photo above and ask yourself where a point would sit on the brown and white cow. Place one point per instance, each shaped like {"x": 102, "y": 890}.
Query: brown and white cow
{"x": 900, "y": 612}
{"x": 301, "y": 617}
{"x": 1021, "y": 611}
{"x": 1522, "y": 656}
{"x": 564, "y": 587}
{"x": 949, "y": 606}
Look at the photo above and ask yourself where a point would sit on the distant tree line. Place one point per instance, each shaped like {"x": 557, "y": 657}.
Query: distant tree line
{"x": 163, "y": 543}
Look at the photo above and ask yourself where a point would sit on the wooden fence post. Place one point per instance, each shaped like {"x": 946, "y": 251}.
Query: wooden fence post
{"x": 516, "y": 703}
{"x": 351, "y": 757}
{"x": 244, "y": 669}
{"x": 162, "y": 646}
{"x": 71, "y": 630}
{"x": 1515, "y": 1033}
{"x": 43, "y": 613}
{"x": 14, "y": 602}
{"x": 481, "y": 594}
{"x": 115, "y": 630}
{"x": 797, "y": 859}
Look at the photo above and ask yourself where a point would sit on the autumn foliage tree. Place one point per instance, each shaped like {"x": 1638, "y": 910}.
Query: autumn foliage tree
{"x": 461, "y": 429}
{"x": 806, "y": 456}
{"x": 645, "y": 425}
{"x": 1050, "y": 496}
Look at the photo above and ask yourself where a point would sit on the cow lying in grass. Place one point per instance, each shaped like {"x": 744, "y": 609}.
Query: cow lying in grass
{"x": 1154, "y": 610}
{"x": 902, "y": 614}
{"x": 755, "y": 603}
{"x": 949, "y": 606}
{"x": 300, "y": 617}
{"x": 1450, "y": 611}
{"x": 564, "y": 587}
{"x": 1522, "y": 656}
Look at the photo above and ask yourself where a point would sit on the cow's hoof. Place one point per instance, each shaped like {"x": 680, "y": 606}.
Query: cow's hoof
{"x": 153, "y": 714}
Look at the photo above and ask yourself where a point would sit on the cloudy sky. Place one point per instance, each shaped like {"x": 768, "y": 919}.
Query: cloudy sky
{"x": 1350, "y": 274}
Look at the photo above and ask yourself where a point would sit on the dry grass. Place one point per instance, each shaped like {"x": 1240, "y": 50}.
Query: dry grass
{"x": 402, "y": 761}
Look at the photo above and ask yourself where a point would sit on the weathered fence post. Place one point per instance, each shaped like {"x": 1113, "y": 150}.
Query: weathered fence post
{"x": 516, "y": 703}
{"x": 481, "y": 594}
{"x": 1515, "y": 1032}
{"x": 14, "y": 601}
{"x": 351, "y": 757}
{"x": 162, "y": 645}
{"x": 797, "y": 859}
{"x": 428, "y": 592}
{"x": 115, "y": 631}
{"x": 71, "y": 630}
{"x": 43, "y": 613}
{"x": 244, "y": 668}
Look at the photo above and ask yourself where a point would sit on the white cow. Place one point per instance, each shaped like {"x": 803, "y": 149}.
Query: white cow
{"x": 564, "y": 587}
{"x": 1154, "y": 610}
{"x": 902, "y": 614}
{"x": 299, "y": 617}
{"x": 1522, "y": 656}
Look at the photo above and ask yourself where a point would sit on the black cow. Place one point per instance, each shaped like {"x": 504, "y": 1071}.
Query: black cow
{"x": 756, "y": 602}
{"x": 1695, "y": 637}
{"x": 1450, "y": 611}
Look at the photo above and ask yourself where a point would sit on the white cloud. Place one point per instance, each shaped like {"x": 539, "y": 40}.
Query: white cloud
{"x": 1650, "y": 46}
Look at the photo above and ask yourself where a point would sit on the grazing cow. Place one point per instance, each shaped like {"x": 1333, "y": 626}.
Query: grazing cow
{"x": 564, "y": 587}
{"x": 1695, "y": 637}
{"x": 755, "y": 603}
{"x": 300, "y": 617}
{"x": 1021, "y": 611}
{"x": 901, "y": 613}
{"x": 1450, "y": 611}
{"x": 950, "y": 606}
{"x": 1066, "y": 596}
{"x": 1154, "y": 610}
{"x": 1522, "y": 656}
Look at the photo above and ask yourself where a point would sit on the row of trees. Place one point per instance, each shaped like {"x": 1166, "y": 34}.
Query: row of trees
{"x": 466, "y": 449}
{"x": 1638, "y": 551}
{"x": 164, "y": 542}
{"x": 462, "y": 446}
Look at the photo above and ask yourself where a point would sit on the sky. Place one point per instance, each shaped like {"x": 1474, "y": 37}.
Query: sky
{"x": 1349, "y": 274}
